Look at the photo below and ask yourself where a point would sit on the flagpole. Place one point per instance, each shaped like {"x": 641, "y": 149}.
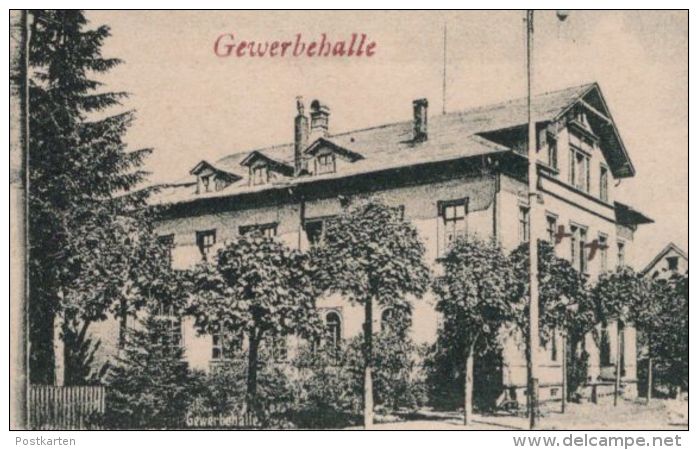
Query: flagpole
{"x": 533, "y": 333}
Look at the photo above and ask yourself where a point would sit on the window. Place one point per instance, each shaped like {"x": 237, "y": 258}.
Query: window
{"x": 206, "y": 183}
{"x": 621, "y": 254}
{"x": 266, "y": 229}
{"x": 552, "y": 151}
{"x": 259, "y": 175}
{"x": 325, "y": 164}
{"x": 551, "y": 228}
{"x": 225, "y": 345}
{"x": 279, "y": 348}
{"x": 313, "y": 229}
{"x": 578, "y": 248}
{"x": 580, "y": 149}
{"x": 673, "y": 263}
{"x": 603, "y": 183}
{"x": 524, "y": 232}
{"x": 333, "y": 330}
{"x": 386, "y": 319}
{"x": 603, "y": 252}
{"x": 452, "y": 223}
{"x": 205, "y": 241}
{"x": 167, "y": 241}
{"x": 172, "y": 339}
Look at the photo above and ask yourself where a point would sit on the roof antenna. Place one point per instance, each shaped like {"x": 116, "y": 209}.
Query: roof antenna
{"x": 443, "y": 87}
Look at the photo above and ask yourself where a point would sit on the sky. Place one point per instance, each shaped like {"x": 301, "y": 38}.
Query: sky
{"x": 192, "y": 105}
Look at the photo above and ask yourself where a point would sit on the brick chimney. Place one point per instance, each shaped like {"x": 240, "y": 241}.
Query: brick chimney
{"x": 319, "y": 120}
{"x": 300, "y": 142}
{"x": 420, "y": 119}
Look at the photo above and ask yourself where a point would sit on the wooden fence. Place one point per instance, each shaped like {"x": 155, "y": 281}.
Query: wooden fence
{"x": 65, "y": 407}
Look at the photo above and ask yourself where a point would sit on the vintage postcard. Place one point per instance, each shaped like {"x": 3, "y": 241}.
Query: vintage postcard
{"x": 346, "y": 220}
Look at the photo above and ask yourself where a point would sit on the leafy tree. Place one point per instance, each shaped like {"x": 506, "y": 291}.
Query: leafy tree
{"x": 564, "y": 300}
{"x": 618, "y": 297}
{"x": 259, "y": 287}
{"x": 474, "y": 297}
{"x": 662, "y": 323}
{"x": 81, "y": 177}
{"x": 150, "y": 386}
{"x": 371, "y": 254}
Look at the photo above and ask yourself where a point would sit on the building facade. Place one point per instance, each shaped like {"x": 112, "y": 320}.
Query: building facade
{"x": 670, "y": 261}
{"x": 461, "y": 173}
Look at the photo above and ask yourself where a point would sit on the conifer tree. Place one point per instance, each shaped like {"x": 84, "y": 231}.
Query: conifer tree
{"x": 82, "y": 180}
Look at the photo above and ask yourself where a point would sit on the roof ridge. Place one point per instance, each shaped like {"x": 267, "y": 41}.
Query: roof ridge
{"x": 391, "y": 124}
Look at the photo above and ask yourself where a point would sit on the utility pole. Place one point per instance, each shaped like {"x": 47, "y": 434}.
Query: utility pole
{"x": 533, "y": 333}
{"x": 443, "y": 87}
{"x": 19, "y": 154}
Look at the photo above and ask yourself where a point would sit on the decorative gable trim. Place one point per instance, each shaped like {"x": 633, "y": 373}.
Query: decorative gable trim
{"x": 272, "y": 164}
{"x": 323, "y": 143}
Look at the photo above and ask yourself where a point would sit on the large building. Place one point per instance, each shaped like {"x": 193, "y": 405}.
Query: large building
{"x": 461, "y": 173}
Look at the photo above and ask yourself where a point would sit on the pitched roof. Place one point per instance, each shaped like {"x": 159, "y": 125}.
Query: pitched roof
{"x": 452, "y": 136}
{"x": 670, "y": 246}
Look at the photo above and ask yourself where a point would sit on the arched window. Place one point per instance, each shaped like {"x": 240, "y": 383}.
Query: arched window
{"x": 334, "y": 329}
{"x": 386, "y": 318}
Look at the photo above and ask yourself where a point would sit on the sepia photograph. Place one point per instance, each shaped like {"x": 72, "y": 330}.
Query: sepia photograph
{"x": 348, "y": 220}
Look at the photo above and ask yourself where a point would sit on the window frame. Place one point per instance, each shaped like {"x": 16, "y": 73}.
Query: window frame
{"x": 269, "y": 229}
{"x": 603, "y": 252}
{"x": 263, "y": 172}
{"x": 553, "y": 156}
{"x": 524, "y": 223}
{"x": 551, "y": 232}
{"x": 620, "y": 253}
{"x": 457, "y": 223}
{"x": 325, "y": 163}
{"x": 174, "y": 336}
{"x": 603, "y": 182}
{"x": 226, "y": 337}
{"x": 201, "y": 236}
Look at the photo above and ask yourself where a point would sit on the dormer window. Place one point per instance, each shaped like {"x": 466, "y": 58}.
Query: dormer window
{"x": 260, "y": 175}
{"x": 325, "y": 164}
{"x": 206, "y": 183}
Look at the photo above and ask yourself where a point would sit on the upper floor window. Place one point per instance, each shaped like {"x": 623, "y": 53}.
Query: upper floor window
{"x": 205, "y": 240}
{"x": 277, "y": 348}
{"x": 552, "y": 151}
{"x": 603, "y": 183}
{"x": 621, "y": 254}
{"x": 673, "y": 263}
{"x": 315, "y": 229}
{"x": 266, "y": 230}
{"x": 579, "y": 169}
{"x": 260, "y": 175}
{"x": 524, "y": 224}
{"x": 551, "y": 228}
{"x": 325, "y": 163}
{"x": 453, "y": 215}
{"x": 206, "y": 183}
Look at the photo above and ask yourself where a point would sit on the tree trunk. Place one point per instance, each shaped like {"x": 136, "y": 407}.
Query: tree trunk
{"x": 649, "y": 379}
{"x": 58, "y": 350}
{"x": 564, "y": 372}
{"x": 368, "y": 357}
{"x": 468, "y": 385}
{"x": 616, "y": 386}
{"x": 252, "y": 370}
{"x": 123, "y": 322}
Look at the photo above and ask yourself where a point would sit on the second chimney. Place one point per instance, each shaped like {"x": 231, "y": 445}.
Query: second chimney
{"x": 300, "y": 141}
{"x": 319, "y": 120}
{"x": 420, "y": 119}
